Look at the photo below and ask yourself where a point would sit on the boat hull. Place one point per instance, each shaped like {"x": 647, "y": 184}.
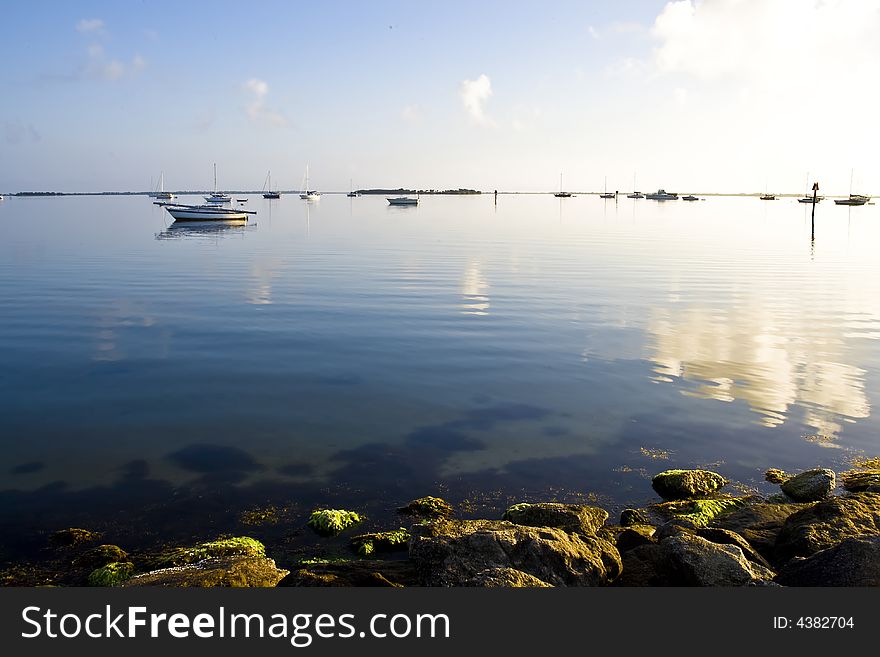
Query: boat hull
{"x": 402, "y": 201}
{"x": 272, "y": 195}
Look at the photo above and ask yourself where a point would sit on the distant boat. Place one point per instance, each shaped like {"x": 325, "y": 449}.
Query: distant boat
{"x": 635, "y": 193}
{"x": 203, "y": 212}
{"x": 242, "y": 200}
{"x": 854, "y": 199}
{"x": 268, "y": 187}
{"x": 352, "y": 193}
{"x": 560, "y": 193}
{"x": 217, "y": 197}
{"x": 689, "y": 197}
{"x": 1, "y": 197}
{"x": 606, "y": 193}
{"x": 403, "y": 200}
{"x": 768, "y": 197}
{"x": 162, "y": 194}
{"x": 662, "y": 195}
{"x": 809, "y": 199}
{"x": 309, "y": 194}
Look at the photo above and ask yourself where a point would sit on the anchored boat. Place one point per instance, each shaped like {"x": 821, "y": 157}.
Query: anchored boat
{"x": 182, "y": 212}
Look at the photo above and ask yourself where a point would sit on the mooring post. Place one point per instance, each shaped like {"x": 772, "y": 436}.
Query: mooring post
{"x": 813, "y": 215}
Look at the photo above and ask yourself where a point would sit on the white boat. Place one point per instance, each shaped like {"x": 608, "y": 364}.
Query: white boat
{"x": 217, "y": 197}
{"x": 268, "y": 187}
{"x": 182, "y": 212}
{"x": 662, "y": 195}
{"x": 403, "y": 200}
{"x": 309, "y": 194}
{"x": 1, "y": 197}
{"x": 635, "y": 194}
{"x": 162, "y": 194}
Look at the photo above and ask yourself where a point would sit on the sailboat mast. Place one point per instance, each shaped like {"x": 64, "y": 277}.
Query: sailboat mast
{"x": 215, "y": 177}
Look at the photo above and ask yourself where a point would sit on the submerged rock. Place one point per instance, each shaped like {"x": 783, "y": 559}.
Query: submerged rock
{"x": 73, "y": 536}
{"x": 451, "y": 552}
{"x": 578, "y": 518}
{"x": 329, "y": 522}
{"x": 695, "y": 561}
{"x": 683, "y": 484}
{"x": 234, "y": 571}
{"x": 507, "y": 578}
{"x": 427, "y": 507}
{"x": 860, "y": 480}
{"x": 810, "y": 485}
{"x": 112, "y": 574}
{"x": 367, "y": 544}
{"x": 353, "y": 573}
{"x": 823, "y": 525}
{"x": 852, "y": 562}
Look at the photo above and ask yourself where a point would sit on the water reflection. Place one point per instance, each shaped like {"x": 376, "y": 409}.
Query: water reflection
{"x": 205, "y": 229}
{"x": 770, "y": 359}
{"x": 474, "y": 290}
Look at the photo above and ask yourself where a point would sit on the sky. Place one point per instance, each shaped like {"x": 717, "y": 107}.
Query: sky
{"x": 690, "y": 95}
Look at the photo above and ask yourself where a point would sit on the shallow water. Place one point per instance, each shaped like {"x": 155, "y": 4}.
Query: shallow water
{"x": 348, "y": 352}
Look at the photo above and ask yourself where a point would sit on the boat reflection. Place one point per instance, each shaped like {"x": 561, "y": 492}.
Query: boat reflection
{"x": 222, "y": 228}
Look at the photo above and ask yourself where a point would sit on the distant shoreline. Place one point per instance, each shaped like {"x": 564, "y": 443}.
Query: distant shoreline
{"x": 400, "y": 190}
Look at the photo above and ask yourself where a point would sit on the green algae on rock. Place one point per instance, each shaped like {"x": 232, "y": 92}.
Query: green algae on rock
{"x": 810, "y": 485}
{"x": 683, "y": 484}
{"x": 73, "y": 536}
{"x": 329, "y": 522}
{"x": 776, "y": 476}
{"x": 568, "y": 517}
{"x": 427, "y": 507}
{"x": 100, "y": 556}
{"x": 112, "y": 574}
{"x": 234, "y": 546}
{"x": 231, "y": 571}
{"x": 367, "y": 544}
{"x": 699, "y": 512}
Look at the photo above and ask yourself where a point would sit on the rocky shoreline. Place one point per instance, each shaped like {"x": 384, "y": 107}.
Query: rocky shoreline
{"x": 821, "y": 529}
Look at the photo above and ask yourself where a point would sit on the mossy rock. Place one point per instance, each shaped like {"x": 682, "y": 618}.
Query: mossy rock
{"x": 699, "y": 512}
{"x": 329, "y": 522}
{"x": 73, "y": 536}
{"x": 685, "y": 484}
{"x": 776, "y": 476}
{"x": 235, "y": 546}
{"x": 859, "y": 480}
{"x": 427, "y": 507}
{"x": 113, "y": 574}
{"x": 810, "y": 485}
{"x": 367, "y": 544}
{"x": 629, "y": 517}
{"x": 578, "y": 518}
{"x": 100, "y": 556}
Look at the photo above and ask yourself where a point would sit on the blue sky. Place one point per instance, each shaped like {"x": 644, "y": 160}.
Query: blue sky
{"x": 706, "y": 95}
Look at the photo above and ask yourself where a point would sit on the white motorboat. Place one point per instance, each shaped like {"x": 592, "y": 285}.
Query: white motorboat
{"x": 203, "y": 212}
{"x": 309, "y": 194}
{"x": 217, "y": 197}
{"x": 403, "y": 200}
{"x": 662, "y": 195}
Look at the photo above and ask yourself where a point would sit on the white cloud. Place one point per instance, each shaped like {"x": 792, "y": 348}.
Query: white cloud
{"x": 90, "y": 25}
{"x": 101, "y": 66}
{"x": 593, "y": 32}
{"x": 474, "y": 94}
{"x": 257, "y": 110}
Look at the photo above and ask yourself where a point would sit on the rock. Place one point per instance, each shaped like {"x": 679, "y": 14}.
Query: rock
{"x": 630, "y": 517}
{"x": 634, "y": 536}
{"x": 507, "y": 578}
{"x": 354, "y": 573}
{"x": 569, "y": 517}
{"x": 810, "y": 485}
{"x": 823, "y": 525}
{"x": 367, "y": 544}
{"x": 73, "y": 536}
{"x": 112, "y": 574}
{"x": 427, "y": 507}
{"x": 727, "y": 537}
{"x": 644, "y": 566}
{"x": 234, "y": 546}
{"x": 776, "y": 476}
{"x": 683, "y": 484}
{"x": 329, "y": 522}
{"x": 100, "y": 556}
{"x": 852, "y": 562}
{"x": 759, "y": 524}
{"x": 860, "y": 480}
{"x": 240, "y": 571}
{"x": 695, "y": 561}
{"x": 674, "y": 527}
{"x": 451, "y": 552}
{"x": 698, "y": 513}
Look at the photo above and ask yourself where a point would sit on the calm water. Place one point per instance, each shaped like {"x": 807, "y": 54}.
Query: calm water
{"x": 162, "y": 379}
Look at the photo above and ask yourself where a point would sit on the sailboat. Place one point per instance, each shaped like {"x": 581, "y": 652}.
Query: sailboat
{"x": 635, "y": 194}
{"x": 560, "y": 193}
{"x": 351, "y": 193}
{"x": 807, "y": 198}
{"x": 268, "y": 187}
{"x": 606, "y": 193}
{"x": 162, "y": 194}
{"x": 853, "y": 199}
{"x": 217, "y": 197}
{"x": 309, "y": 194}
